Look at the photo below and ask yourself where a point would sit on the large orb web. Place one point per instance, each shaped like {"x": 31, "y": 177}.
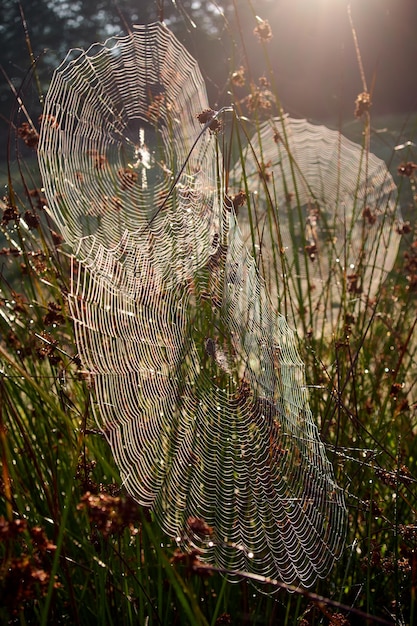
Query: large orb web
{"x": 201, "y": 394}
{"x": 333, "y": 236}
{"x": 199, "y": 387}
{"x": 118, "y": 125}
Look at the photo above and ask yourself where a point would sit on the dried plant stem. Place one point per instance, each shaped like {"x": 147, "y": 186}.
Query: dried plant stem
{"x": 357, "y": 50}
{"x": 7, "y": 487}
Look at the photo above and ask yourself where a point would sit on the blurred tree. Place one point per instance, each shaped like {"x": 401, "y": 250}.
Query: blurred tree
{"x": 54, "y": 26}
{"x": 311, "y": 52}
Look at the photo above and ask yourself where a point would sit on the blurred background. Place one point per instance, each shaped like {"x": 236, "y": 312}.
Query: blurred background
{"x": 311, "y": 52}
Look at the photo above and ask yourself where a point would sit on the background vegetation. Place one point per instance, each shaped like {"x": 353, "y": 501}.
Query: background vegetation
{"x": 74, "y": 547}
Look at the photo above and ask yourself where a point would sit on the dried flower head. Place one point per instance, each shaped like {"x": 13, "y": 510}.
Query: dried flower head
{"x": 19, "y": 301}
{"x": 47, "y": 349}
{"x": 10, "y": 252}
{"x": 40, "y": 541}
{"x": 263, "y": 30}
{"x": 38, "y": 259}
{"x": 110, "y": 515}
{"x": 192, "y": 562}
{"x": 208, "y": 116}
{"x": 354, "y": 283}
{"x": 396, "y": 389}
{"x": 408, "y": 532}
{"x": 260, "y": 100}
{"x": 27, "y": 575}
{"x": 362, "y": 104}
{"x": 199, "y": 527}
{"x": 338, "y": 619}
{"x": 31, "y": 219}
{"x": 407, "y": 169}
{"x": 403, "y": 228}
{"x": 239, "y": 77}
{"x": 84, "y": 474}
{"x": 10, "y": 214}
{"x": 28, "y": 134}
{"x": 238, "y": 200}
{"x": 9, "y": 530}
{"x": 369, "y": 216}
{"x": 404, "y": 565}
{"x": 54, "y": 315}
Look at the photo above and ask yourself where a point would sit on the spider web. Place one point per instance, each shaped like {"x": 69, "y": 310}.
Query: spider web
{"x": 200, "y": 390}
{"x": 336, "y": 213}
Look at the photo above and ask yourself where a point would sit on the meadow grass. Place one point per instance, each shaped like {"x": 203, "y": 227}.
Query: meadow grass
{"x": 75, "y": 548}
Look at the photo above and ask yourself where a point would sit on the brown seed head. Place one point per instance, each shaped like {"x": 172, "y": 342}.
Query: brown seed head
{"x": 208, "y": 117}
{"x": 363, "y": 104}
{"x": 263, "y": 31}
{"x": 407, "y": 169}
{"x": 239, "y": 77}
{"x": 28, "y": 134}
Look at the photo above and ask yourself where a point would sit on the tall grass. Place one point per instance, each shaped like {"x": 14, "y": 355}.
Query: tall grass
{"x": 75, "y": 548}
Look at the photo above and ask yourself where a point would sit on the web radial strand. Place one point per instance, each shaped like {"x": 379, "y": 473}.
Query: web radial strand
{"x": 199, "y": 387}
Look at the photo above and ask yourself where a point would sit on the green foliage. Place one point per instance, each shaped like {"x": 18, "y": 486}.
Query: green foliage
{"x": 76, "y": 549}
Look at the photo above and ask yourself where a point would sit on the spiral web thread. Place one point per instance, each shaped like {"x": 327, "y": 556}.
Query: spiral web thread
{"x": 336, "y": 211}
{"x": 200, "y": 390}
